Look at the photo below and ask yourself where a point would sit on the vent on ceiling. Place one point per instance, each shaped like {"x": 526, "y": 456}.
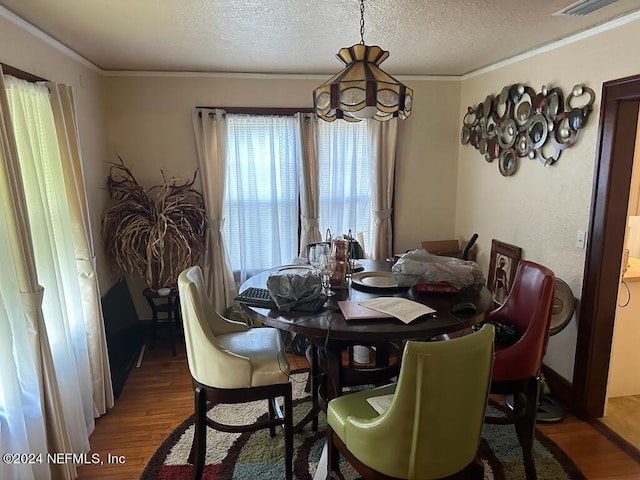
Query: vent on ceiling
{"x": 584, "y": 7}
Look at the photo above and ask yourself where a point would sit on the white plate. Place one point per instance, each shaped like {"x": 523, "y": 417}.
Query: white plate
{"x": 375, "y": 279}
{"x": 293, "y": 269}
{"x": 357, "y": 267}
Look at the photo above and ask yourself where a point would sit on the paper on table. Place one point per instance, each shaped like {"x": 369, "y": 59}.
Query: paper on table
{"x": 402, "y": 308}
{"x": 381, "y": 402}
{"x": 352, "y": 310}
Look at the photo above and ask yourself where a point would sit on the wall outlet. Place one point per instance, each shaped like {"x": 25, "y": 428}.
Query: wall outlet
{"x": 580, "y": 239}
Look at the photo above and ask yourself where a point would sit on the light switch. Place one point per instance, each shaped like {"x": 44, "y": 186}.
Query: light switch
{"x": 580, "y": 239}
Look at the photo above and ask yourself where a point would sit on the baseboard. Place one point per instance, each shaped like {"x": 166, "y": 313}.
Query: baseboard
{"x": 560, "y": 387}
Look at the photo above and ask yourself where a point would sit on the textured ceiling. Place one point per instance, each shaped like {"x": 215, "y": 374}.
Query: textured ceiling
{"x": 424, "y": 37}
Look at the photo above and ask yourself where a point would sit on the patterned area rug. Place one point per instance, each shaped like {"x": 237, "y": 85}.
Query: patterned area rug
{"x": 252, "y": 456}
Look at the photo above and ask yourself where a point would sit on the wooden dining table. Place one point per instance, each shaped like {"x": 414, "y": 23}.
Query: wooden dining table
{"x": 329, "y": 331}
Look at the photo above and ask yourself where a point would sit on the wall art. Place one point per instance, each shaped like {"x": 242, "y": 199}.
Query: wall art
{"x": 502, "y": 269}
{"x": 520, "y": 123}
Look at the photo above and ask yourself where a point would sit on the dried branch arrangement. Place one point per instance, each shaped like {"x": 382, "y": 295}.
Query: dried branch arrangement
{"x": 157, "y": 232}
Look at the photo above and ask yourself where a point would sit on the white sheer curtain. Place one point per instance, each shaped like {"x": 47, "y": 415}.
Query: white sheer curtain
{"x": 65, "y": 122}
{"x": 22, "y": 423}
{"x": 261, "y": 197}
{"x": 309, "y": 222}
{"x": 383, "y": 136}
{"x": 344, "y": 159}
{"x": 38, "y": 414}
{"x": 210, "y": 128}
{"x": 53, "y": 247}
{"x": 22, "y": 426}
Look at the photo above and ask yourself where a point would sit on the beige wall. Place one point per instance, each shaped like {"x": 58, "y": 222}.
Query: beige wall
{"x": 22, "y": 49}
{"x": 149, "y": 126}
{"x": 541, "y": 209}
{"x": 426, "y": 169}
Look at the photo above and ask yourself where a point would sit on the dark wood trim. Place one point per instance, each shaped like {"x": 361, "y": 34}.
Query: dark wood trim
{"x": 620, "y": 442}
{"x": 260, "y": 110}
{"x": 21, "y": 74}
{"x": 610, "y": 197}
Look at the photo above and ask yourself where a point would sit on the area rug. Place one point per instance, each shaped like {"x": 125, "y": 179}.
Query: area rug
{"x": 255, "y": 455}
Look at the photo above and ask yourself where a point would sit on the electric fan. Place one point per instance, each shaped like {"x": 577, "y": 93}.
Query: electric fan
{"x": 564, "y": 304}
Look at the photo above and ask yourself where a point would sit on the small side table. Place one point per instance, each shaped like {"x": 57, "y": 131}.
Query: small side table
{"x": 166, "y": 304}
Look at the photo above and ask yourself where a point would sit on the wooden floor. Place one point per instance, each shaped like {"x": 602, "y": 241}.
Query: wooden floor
{"x": 623, "y": 417}
{"x": 158, "y": 397}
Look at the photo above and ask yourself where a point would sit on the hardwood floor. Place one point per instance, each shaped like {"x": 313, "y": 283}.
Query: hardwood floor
{"x": 623, "y": 417}
{"x": 158, "y": 396}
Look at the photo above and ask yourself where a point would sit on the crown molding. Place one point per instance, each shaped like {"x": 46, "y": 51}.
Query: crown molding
{"x": 613, "y": 24}
{"x": 36, "y": 32}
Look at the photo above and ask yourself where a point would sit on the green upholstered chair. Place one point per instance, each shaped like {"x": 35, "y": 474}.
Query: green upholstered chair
{"x": 431, "y": 429}
{"x": 232, "y": 363}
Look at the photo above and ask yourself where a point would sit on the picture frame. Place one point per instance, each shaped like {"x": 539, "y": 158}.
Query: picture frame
{"x": 502, "y": 269}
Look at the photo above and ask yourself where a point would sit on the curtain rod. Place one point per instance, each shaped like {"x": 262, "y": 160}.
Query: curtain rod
{"x": 260, "y": 110}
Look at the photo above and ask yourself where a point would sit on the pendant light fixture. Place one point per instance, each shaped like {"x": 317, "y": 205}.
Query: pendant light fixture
{"x": 362, "y": 89}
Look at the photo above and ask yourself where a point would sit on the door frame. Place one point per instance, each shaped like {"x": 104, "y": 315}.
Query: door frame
{"x": 609, "y": 201}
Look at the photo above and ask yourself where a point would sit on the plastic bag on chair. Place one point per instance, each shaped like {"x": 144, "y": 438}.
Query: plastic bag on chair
{"x": 420, "y": 266}
{"x": 288, "y": 289}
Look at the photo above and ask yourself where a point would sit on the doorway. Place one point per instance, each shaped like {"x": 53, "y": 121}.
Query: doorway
{"x": 622, "y": 407}
{"x": 610, "y": 197}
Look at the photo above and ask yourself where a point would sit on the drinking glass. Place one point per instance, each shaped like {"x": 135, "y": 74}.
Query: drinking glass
{"x": 326, "y": 269}
{"x": 314, "y": 257}
{"x": 315, "y": 252}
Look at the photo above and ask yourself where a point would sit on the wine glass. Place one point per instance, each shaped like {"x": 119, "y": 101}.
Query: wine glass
{"x": 326, "y": 269}
{"x": 315, "y": 252}
{"x": 314, "y": 257}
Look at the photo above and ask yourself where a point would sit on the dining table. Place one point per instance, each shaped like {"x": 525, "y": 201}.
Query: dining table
{"x": 328, "y": 329}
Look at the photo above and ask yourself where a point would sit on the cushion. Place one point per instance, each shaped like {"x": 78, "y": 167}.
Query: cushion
{"x": 263, "y": 348}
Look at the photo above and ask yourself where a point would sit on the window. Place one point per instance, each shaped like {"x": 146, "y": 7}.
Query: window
{"x": 261, "y": 196}
{"x": 261, "y": 204}
{"x": 345, "y": 177}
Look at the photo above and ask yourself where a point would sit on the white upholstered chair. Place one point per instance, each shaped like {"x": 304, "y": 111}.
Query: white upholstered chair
{"x": 232, "y": 363}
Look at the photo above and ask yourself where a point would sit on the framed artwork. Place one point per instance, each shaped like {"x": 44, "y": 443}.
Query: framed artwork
{"x": 502, "y": 268}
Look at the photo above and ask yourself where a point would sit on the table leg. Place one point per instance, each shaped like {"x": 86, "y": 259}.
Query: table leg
{"x": 172, "y": 310}
{"x": 382, "y": 357}
{"x": 314, "y": 375}
{"x": 334, "y": 364}
{"x": 154, "y": 326}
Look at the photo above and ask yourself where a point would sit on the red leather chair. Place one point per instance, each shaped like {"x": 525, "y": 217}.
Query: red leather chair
{"x": 516, "y": 368}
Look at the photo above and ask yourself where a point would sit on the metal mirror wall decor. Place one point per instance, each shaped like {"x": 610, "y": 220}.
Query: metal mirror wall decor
{"x": 520, "y": 123}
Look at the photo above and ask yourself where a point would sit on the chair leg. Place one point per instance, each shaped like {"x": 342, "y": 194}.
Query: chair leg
{"x": 333, "y": 456}
{"x": 315, "y": 385}
{"x": 272, "y": 415}
{"x": 477, "y": 469}
{"x": 526, "y": 424}
{"x": 288, "y": 434}
{"x": 199, "y": 445}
